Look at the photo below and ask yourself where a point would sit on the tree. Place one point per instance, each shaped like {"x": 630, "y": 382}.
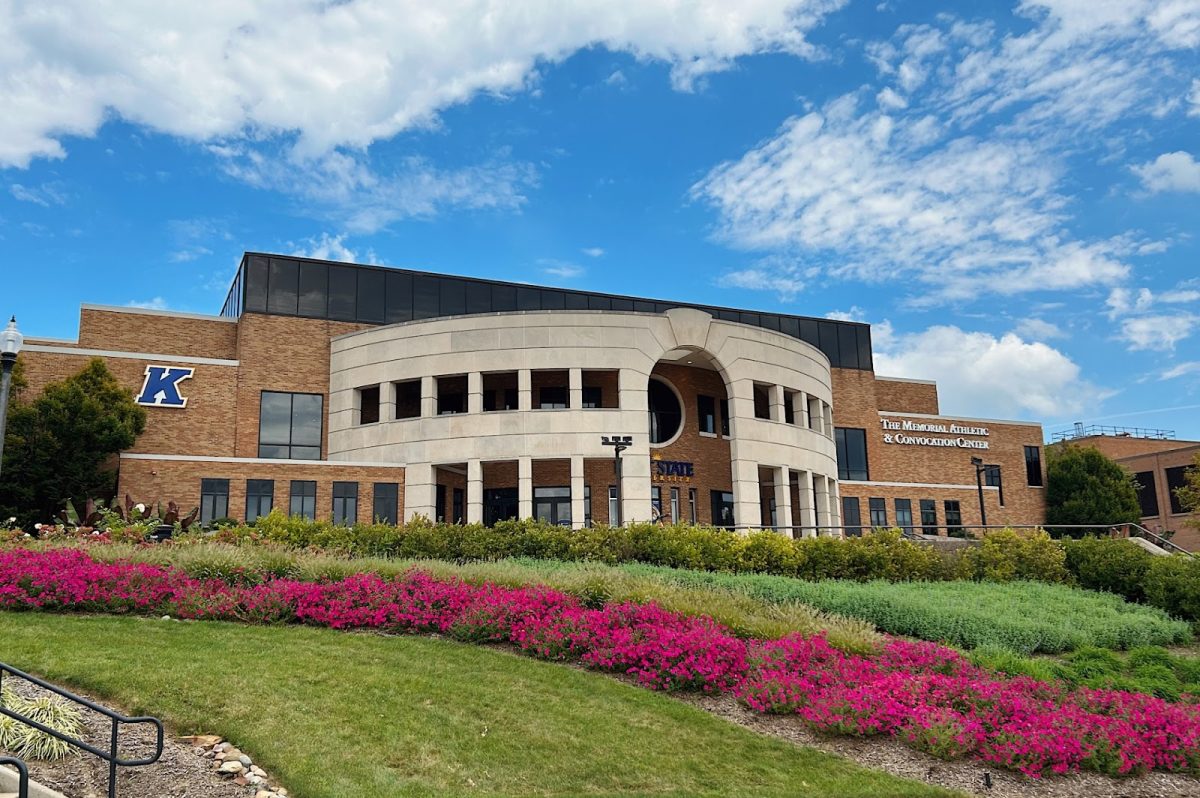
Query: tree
{"x": 1189, "y": 493}
{"x": 62, "y": 444}
{"x": 1085, "y": 487}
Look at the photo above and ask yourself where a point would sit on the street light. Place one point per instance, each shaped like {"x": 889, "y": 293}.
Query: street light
{"x": 980, "y": 470}
{"x": 10, "y": 346}
{"x": 619, "y": 443}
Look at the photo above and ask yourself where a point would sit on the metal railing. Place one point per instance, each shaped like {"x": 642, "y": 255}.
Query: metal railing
{"x": 1092, "y": 430}
{"x": 111, "y": 756}
{"x": 22, "y": 775}
{"x": 1139, "y": 531}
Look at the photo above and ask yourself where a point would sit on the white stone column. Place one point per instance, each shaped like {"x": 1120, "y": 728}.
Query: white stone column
{"x": 835, "y": 507}
{"x": 524, "y": 391}
{"x": 428, "y": 397}
{"x": 474, "y": 392}
{"x": 575, "y": 388}
{"x": 525, "y": 486}
{"x": 387, "y": 401}
{"x": 578, "y": 510}
{"x": 635, "y": 483}
{"x": 821, "y": 490}
{"x": 747, "y": 498}
{"x": 827, "y": 410}
{"x": 775, "y": 397}
{"x": 474, "y": 492}
{"x": 783, "y": 499}
{"x": 419, "y": 497}
{"x": 808, "y": 518}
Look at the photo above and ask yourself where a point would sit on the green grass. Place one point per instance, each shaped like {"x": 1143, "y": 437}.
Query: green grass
{"x": 594, "y": 583}
{"x": 1146, "y": 669}
{"x": 1025, "y": 617}
{"x": 337, "y": 714}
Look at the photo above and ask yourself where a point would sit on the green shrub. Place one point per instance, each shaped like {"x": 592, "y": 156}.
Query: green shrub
{"x": 1173, "y": 583}
{"x": 1004, "y": 660}
{"x": 1090, "y": 662}
{"x": 1117, "y": 566}
{"x": 1006, "y": 554}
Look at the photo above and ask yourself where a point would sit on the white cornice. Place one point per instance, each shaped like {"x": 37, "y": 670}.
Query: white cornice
{"x": 175, "y": 314}
{"x": 70, "y": 350}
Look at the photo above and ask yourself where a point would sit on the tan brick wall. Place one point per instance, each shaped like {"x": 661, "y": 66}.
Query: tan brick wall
{"x": 157, "y": 333}
{"x": 179, "y": 481}
{"x": 1187, "y": 535}
{"x": 906, "y": 397}
{"x": 968, "y": 500}
{"x": 1117, "y": 447}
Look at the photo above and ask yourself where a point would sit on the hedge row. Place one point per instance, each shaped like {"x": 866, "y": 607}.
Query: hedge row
{"x": 1124, "y": 568}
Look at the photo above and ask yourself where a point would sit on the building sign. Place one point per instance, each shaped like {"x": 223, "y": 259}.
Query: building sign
{"x": 161, "y": 386}
{"x": 672, "y": 471}
{"x": 957, "y": 436}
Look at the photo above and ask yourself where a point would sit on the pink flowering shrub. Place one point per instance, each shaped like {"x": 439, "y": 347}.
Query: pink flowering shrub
{"x": 925, "y": 694}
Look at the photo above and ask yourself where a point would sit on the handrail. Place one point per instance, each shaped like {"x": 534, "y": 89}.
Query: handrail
{"x": 22, "y": 775}
{"x": 1158, "y": 540}
{"x": 111, "y": 756}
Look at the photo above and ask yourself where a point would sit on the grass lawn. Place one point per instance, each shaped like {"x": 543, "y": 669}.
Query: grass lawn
{"x": 337, "y": 714}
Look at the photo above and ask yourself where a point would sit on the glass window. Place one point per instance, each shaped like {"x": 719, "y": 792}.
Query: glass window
{"x": 399, "y": 298}
{"x": 656, "y": 505}
{"x": 439, "y": 500}
{"x": 722, "y": 508}
{"x": 847, "y": 347}
{"x": 289, "y": 425}
{"x": 954, "y": 519}
{"x": 260, "y": 495}
{"x": 725, "y": 417}
{"x": 851, "y": 453}
{"x": 314, "y": 290}
{"x": 368, "y": 405}
{"x": 593, "y": 396}
{"x": 452, "y": 297}
{"x": 587, "y": 505}
{"x": 878, "y": 509}
{"x": 851, "y": 516}
{"x": 762, "y": 402}
{"x": 302, "y": 501}
{"x": 573, "y": 301}
{"x": 789, "y": 407}
{"x": 499, "y": 504}
{"x": 665, "y": 413}
{"x": 214, "y": 500}
{"x": 614, "y": 511}
{"x": 386, "y": 502}
{"x": 552, "y": 397}
{"x": 256, "y": 285}
{"x": 706, "y": 415}
{"x": 599, "y": 302}
{"x": 864, "y": 348}
{"x": 929, "y": 522}
{"x": 692, "y": 505}
{"x": 426, "y": 297}
{"x": 552, "y": 300}
{"x": 281, "y": 298}
{"x": 992, "y": 478}
{"x": 408, "y": 399}
{"x": 552, "y": 505}
{"x": 372, "y": 293}
{"x": 528, "y": 298}
{"x": 343, "y": 292}
{"x": 459, "y": 516}
{"x": 1176, "y": 478}
{"x": 1033, "y": 466}
{"x": 828, "y": 341}
{"x": 904, "y": 517}
{"x": 479, "y": 298}
{"x": 500, "y": 399}
{"x": 345, "y": 503}
{"x": 504, "y": 298}
{"x": 1147, "y": 493}
{"x": 675, "y": 516}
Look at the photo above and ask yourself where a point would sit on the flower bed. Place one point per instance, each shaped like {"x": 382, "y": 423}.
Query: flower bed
{"x": 923, "y": 693}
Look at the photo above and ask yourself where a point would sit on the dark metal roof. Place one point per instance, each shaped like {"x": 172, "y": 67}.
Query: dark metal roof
{"x": 292, "y": 286}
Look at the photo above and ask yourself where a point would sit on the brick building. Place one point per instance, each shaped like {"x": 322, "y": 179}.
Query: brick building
{"x": 357, "y": 392}
{"x": 1158, "y": 462}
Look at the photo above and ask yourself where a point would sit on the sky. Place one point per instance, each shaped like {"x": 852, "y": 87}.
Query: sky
{"x": 1009, "y": 192}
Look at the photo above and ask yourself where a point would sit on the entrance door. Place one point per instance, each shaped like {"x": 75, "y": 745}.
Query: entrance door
{"x": 499, "y": 504}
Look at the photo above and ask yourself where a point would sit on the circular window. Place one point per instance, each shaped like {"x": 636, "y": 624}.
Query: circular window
{"x": 666, "y": 413}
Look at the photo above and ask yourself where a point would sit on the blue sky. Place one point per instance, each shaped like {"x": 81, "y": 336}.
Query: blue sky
{"x": 1009, "y": 192}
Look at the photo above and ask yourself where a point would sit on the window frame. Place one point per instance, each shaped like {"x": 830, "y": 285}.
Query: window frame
{"x": 216, "y": 488}
{"x": 903, "y": 507}
{"x": 554, "y": 504}
{"x": 706, "y": 414}
{"x": 841, "y": 438}
{"x": 852, "y": 521}
{"x": 345, "y": 507}
{"x": 954, "y": 522}
{"x": 1033, "y": 467}
{"x": 290, "y": 445}
{"x": 257, "y": 490}
{"x": 393, "y": 503}
{"x": 877, "y": 512}
{"x": 304, "y": 496}
{"x": 928, "y": 527}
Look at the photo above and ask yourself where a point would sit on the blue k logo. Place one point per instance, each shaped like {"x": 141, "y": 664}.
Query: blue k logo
{"x": 161, "y": 386}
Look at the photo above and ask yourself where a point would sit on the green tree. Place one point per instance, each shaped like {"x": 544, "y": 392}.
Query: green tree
{"x": 1085, "y": 487}
{"x": 63, "y": 444}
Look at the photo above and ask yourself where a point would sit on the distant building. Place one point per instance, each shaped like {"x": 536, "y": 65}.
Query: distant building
{"x": 1158, "y": 461}
{"x": 354, "y": 392}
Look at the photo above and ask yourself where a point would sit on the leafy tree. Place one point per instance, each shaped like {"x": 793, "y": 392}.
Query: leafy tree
{"x": 62, "y": 445}
{"x": 1085, "y": 487}
{"x": 1189, "y": 494}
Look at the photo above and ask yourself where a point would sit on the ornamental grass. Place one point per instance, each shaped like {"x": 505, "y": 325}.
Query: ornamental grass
{"x": 925, "y": 694}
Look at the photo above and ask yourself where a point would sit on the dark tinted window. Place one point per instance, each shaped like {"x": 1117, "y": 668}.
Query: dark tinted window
{"x": 1033, "y": 466}
{"x": 302, "y": 501}
{"x": 599, "y": 303}
{"x": 399, "y": 298}
{"x": 707, "y": 413}
{"x": 722, "y": 508}
{"x": 847, "y": 347}
{"x": 504, "y": 298}
{"x": 285, "y": 277}
{"x": 479, "y": 298}
{"x": 368, "y": 405}
{"x": 953, "y": 518}
{"x": 851, "y": 515}
{"x": 878, "y": 512}
{"x": 593, "y": 396}
{"x": 453, "y": 297}
{"x": 528, "y": 298}
{"x": 371, "y": 294}
{"x": 343, "y": 292}
{"x": 575, "y": 301}
{"x": 260, "y": 493}
{"x": 553, "y": 300}
{"x": 386, "y": 502}
{"x": 256, "y": 285}
{"x": 214, "y": 500}
{"x": 289, "y": 425}
{"x": 808, "y": 332}
{"x": 1176, "y": 478}
{"x": 1147, "y": 493}
{"x": 790, "y": 325}
{"x": 408, "y": 399}
{"x": 929, "y": 516}
{"x": 864, "y": 348}
{"x": 622, "y": 304}
{"x": 314, "y": 290}
{"x": 345, "y": 503}
{"x": 665, "y": 413}
{"x": 904, "y": 517}
{"x": 827, "y": 332}
{"x": 426, "y": 297}
{"x": 851, "y": 453}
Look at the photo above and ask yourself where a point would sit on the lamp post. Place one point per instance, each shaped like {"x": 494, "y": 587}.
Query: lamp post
{"x": 980, "y": 468}
{"x": 10, "y": 346}
{"x": 619, "y": 443}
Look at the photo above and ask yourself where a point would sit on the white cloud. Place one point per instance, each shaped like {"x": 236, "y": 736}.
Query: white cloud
{"x": 592, "y": 252}
{"x": 1172, "y": 171}
{"x": 1181, "y": 370}
{"x": 324, "y": 247}
{"x": 981, "y": 375}
{"x": 340, "y": 74}
{"x": 855, "y": 313}
{"x": 564, "y": 270}
{"x": 1034, "y": 329}
{"x": 46, "y": 194}
{"x": 1159, "y": 332}
{"x": 1194, "y": 98}
{"x": 762, "y": 279}
{"x": 157, "y": 303}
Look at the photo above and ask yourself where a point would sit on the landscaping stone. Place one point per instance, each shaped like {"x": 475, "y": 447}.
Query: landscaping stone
{"x": 232, "y": 767}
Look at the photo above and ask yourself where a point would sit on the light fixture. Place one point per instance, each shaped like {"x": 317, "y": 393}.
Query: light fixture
{"x": 10, "y": 344}
{"x": 11, "y": 339}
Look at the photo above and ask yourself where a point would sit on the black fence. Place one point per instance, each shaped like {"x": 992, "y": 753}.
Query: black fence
{"x": 22, "y": 775}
